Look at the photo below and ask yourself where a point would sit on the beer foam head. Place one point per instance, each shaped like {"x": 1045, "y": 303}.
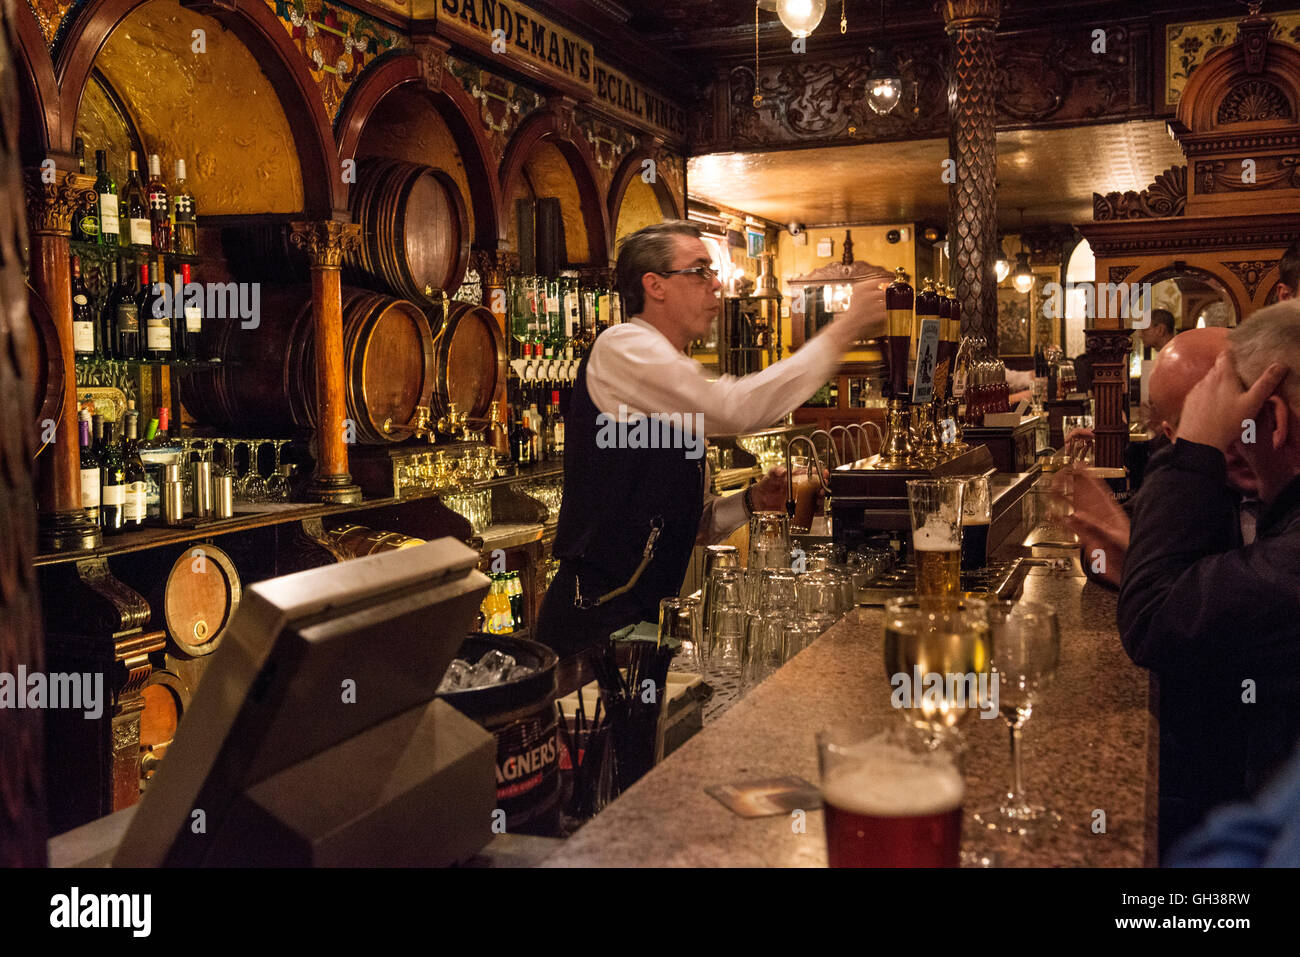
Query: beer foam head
{"x": 893, "y": 782}
{"x": 936, "y": 536}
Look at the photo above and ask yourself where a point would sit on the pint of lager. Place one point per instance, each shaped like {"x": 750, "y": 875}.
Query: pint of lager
{"x": 889, "y": 804}
{"x": 935, "y": 506}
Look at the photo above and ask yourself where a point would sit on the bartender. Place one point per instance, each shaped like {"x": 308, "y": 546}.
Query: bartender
{"x": 635, "y": 484}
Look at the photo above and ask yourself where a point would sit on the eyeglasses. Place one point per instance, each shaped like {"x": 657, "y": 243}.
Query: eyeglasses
{"x": 707, "y": 273}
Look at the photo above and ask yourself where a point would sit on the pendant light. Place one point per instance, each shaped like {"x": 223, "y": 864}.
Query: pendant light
{"x": 884, "y": 83}
{"x": 800, "y": 17}
{"x": 1003, "y": 265}
{"x": 1023, "y": 277}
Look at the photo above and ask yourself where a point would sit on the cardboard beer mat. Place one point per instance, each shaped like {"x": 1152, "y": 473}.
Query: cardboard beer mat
{"x": 768, "y": 797}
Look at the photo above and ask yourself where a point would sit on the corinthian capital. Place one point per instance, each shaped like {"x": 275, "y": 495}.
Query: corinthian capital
{"x": 325, "y": 241}
{"x": 970, "y": 14}
{"x": 50, "y": 206}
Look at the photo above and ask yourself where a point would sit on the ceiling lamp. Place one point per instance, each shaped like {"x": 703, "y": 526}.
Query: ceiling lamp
{"x": 1023, "y": 277}
{"x": 884, "y": 85}
{"x": 800, "y": 17}
{"x": 1003, "y": 265}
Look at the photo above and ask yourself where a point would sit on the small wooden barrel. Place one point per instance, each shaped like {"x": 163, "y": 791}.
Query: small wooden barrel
{"x": 270, "y": 386}
{"x": 471, "y": 360}
{"x": 359, "y": 540}
{"x": 200, "y": 598}
{"x": 165, "y": 700}
{"x": 415, "y": 238}
{"x": 45, "y": 363}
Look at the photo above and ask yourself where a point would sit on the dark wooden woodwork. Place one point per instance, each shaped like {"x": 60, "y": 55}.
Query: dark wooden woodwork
{"x": 45, "y": 358}
{"x": 471, "y": 361}
{"x": 270, "y": 386}
{"x": 415, "y": 235}
{"x": 1109, "y": 350}
{"x": 23, "y": 822}
{"x": 972, "y": 146}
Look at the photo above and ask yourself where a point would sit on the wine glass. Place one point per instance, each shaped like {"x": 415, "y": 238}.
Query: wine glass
{"x": 1026, "y": 651}
{"x": 937, "y": 660}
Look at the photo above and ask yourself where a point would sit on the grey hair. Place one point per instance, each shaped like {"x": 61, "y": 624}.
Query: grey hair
{"x": 1270, "y": 335}
{"x": 647, "y": 250}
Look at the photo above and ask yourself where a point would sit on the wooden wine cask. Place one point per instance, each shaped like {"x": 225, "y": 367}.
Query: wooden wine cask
{"x": 200, "y": 598}
{"x": 45, "y": 360}
{"x": 471, "y": 360}
{"x": 357, "y": 541}
{"x": 414, "y": 230}
{"x": 165, "y": 700}
{"x": 269, "y": 387}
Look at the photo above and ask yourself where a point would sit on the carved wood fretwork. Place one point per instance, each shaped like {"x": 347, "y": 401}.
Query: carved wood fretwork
{"x": 1109, "y": 349}
{"x": 1248, "y": 174}
{"x": 1251, "y": 272}
{"x": 1252, "y": 101}
{"x": 1120, "y": 273}
{"x": 1167, "y": 196}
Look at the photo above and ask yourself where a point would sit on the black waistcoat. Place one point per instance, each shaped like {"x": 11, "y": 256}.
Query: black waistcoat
{"x": 615, "y": 495}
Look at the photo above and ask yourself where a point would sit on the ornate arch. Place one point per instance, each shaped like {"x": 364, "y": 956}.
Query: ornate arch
{"x": 556, "y": 125}
{"x": 253, "y": 23}
{"x": 1232, "y": 284}
{"x": 1233, "y": 87}
{"x": 632, "y": 167}
{"x": 38, "y": 90}
{"x": 455, "y": 107}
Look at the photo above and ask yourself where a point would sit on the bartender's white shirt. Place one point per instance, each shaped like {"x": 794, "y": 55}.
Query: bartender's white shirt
{"x": 635, "y": 366}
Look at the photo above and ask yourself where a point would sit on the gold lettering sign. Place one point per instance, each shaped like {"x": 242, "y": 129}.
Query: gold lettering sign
{"x": 518, "y": 32}
{"x": 621, "y": 94}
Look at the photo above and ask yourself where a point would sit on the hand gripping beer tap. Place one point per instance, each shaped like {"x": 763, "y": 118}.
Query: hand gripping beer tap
{"x": 897, "y": 451}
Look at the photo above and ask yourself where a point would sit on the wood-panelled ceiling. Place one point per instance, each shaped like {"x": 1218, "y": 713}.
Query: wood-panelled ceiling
{"x": 1052, "y": 174}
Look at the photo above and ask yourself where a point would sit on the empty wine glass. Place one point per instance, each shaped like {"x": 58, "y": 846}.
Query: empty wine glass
{"x": 1026, "y": 651}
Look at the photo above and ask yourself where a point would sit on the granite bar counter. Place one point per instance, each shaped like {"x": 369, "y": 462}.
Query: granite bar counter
{"x": 1088, "y": 753}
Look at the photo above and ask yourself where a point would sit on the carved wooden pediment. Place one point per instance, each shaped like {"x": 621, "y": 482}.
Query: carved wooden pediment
{"x": 1167, "y": 196}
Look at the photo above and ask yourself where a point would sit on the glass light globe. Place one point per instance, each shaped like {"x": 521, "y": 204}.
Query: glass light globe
{"x": 800, "y": 17}
{"x": 1002, "y": 267}
{"x": 1023, "y": 279}
{"x": 883, "y": 94}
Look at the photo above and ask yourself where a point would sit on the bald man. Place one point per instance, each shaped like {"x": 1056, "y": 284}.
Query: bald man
{"x": 1101, "y": 524}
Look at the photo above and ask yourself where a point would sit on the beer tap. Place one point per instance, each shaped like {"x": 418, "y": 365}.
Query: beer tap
{"x": 453, "y": 420}
{"x": 848, "y": 438}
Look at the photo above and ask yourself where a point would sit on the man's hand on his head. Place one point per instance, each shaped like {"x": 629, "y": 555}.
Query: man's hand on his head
{"x": 1217, "y": 405}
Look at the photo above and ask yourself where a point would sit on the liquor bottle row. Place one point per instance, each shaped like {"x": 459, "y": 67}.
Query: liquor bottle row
{"x": 143, "y": 315}
{"x": 149, "y": 215}
{"x": 117, "y": 490}
{"x": 535, "y": 426}
{"x": 502, "y": 609}
{"x": 559, "y": 318}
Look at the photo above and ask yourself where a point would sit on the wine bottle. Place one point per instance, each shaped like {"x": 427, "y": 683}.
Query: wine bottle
{"x": 85, "y": 221}
{"x": 135, "y": 206}
{"x": 90, "y": 470}
{"x": 85, "y": 344}
{"x": 160, "y": 223}
{"x": 127, "y": 318}
{"x": 106, "y": 189}
{"x": 557, "y": 426}
{"x": 184, "y": 223}
{"x": 155, "y": 315}
{"x": 136, "y": 503}
{"x": 112, "y": 493}
{"x": 190, "y": 326}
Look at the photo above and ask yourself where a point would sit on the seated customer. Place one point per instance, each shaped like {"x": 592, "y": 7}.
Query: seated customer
{"x": 1101, "y": 524}
{"x": 1219, "y": 623}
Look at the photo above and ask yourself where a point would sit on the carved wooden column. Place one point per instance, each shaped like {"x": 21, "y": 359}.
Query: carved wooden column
{"x": 63, "y": 522}
{"x": 972, "y": 145}
{"x": 1109, "y": 350}
{"x": 495, "y": 267}
{"x": 325, "y": 242}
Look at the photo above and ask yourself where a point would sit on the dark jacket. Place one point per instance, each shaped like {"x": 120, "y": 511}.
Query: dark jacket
{"x": 1219, "y": 625}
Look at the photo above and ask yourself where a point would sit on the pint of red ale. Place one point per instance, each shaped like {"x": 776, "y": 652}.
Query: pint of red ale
{"x": 888, "y": 802}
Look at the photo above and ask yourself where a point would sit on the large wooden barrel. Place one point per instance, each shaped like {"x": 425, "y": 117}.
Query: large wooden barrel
{"x": 269, "y": 386}
{"x": 415, "y": 237}
{"x": 200, "y": 598}
{"x": 44, "y": 360}
{"x": 359, "y": 540}
{"x": 471, "y": 360}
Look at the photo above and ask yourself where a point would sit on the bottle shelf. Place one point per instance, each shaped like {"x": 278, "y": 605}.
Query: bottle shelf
{"x": 133, "y": 363}
{"x": 95, "y": 252}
